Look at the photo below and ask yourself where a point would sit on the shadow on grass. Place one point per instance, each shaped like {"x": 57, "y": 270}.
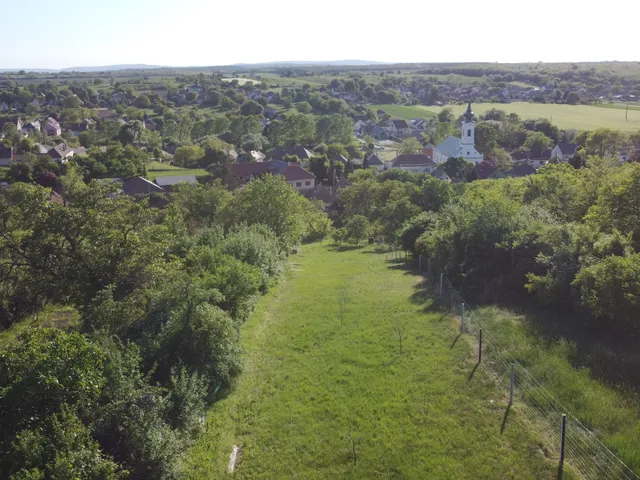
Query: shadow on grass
{"x": 473, "y": 371}
{"x": 504, "y": 419}
{"x": 345, "y": 248}
{"x": 455, "y": 340}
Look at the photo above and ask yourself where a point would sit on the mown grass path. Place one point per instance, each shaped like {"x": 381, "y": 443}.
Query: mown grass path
{"x": 309, "y": 382}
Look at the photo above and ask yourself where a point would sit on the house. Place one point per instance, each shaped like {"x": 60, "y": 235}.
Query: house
{"x": 140, "y": 186}
{"x": 104, "y": 114}
{"x": 4, "y": 107}
{"x": 400, "y": 128}
{"x": 13, "y": 121}
{"x": 42, "y": 149}
{"x": 296, "y": 176}
{"x": 269, "y": 112}
{"x": 119, "y": 97}
{"x": 359, "y": 127}
{"x": 374, "y": 161}
{"x": 6, "y": 156}
{"x": 321, "y": 193}
{"x": 464, "y": 146}
{"x": 77, "y": 128}
{"x": 167, "y": 183}
{"x": 564, "y": 151}
{"x": 80, "y": 151}
{"x": 52, "y": 127}
{"x": 521, "y": 170}
{"x": 61, "y": 153}
{"x": 150, "y": 124}
{"x": 418, "y": 124}
{"x": 302, "y": 153}
{"x": 441, "y": 174}
{"x": 31, "y": 127}
{"x": 483, "y": 170}
{"x": 414, "y": 162}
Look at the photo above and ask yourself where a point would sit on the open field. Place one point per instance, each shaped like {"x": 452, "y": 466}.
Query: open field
{"x": 157, "y": 169}
{"x": 51, "y": 316}
{"x": 404, "y": 112}
{"x": 579, "y": 117}
{"x": 619, "y": 106}
{"x": 314, "y": 82}
{"x": 313, "y": 380}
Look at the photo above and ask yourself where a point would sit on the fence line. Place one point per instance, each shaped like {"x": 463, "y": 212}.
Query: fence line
{"x": 577, "y": 445}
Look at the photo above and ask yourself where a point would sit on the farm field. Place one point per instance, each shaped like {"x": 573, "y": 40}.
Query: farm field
{"x": 314, "y": 379}
{"x": 157, "y": 169}
{"x": 405, "y": 112}
{"x": 579, "y": 117}
{"x": 294, "y": 81}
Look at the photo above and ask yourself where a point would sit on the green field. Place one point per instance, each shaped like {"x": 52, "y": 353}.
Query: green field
{"x": 619, "y": 106}
{"x": 312, "y": 380}
{"x": 579, "y": 117}
{"x": 404, "y": 112}
{"x": 157, "y": 169}
{"x": 313, "y": 82}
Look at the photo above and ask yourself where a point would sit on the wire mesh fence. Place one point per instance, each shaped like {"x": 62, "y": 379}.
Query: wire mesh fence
{"x": 576, "y": 445}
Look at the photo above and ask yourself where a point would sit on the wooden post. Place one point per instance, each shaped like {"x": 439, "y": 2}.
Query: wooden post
{"x": 513, "y": 377}
{"x": 441, "y": 275}
{"x": 428, "y": 265}
{"x": 419, "y": 263}
{"x": 480, "y": 347}
{"x": 449, "y": 295}
{"x": 563, "y": 431}
{"x": 462, "y": 321}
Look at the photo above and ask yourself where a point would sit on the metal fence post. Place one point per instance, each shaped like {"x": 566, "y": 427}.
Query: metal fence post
{"x": 419, "y": 263}
{"x": 563, "y": 431}
{"x": 462, "y": 321}
{"x": 428, "y": 265}
{"x": 513, "y": 377}
{"x": 480, "y": 347}
{"x": 449, "y": 295}
{"x": 441, "y": 275}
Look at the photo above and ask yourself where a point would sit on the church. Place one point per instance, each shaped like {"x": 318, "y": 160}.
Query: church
{"x": 460, "y": 147}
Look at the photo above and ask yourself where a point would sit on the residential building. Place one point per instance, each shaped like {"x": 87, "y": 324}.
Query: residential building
{"x": 521, "y": 170}
{"x": 167, "y": 183}
{"x": 374, "y": 161}
{"x": 140, "y": 186}
{"x": 483, "y": 170}
{"x": 31, "y": 127}
{"x": 441, "y": 175}
{"x": 415, "y": 162}
{"x": 399, "y": 128}
{"x": 564, "y": 151}
{"x": 77, "y": 128}
{"x": 61, "y": 153}
{"x": 242, "y": 173}
{"x": 279, "y": 153}
{"x": 6, "y": 156}
{"x": 52, "y": 127}
{"x": 326, "y": 195}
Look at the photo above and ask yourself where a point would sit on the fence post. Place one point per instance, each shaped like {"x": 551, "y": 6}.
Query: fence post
{"x": 480, "y": 347}
{"x": 449, "y": 295}
{"x": 419, "y": 263}
{"x": 441, "y": 286}
{"x": 563, "y": 431}
{"x": 429, "y": 265}
{"x": 513, "y": 377}
{"x": 462, "y": 321}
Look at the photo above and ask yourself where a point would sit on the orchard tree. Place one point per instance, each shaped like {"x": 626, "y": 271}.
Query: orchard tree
{"x": 251, "y": 107}
{"x": 304, "y": 107}
{"x": 357, "y": 228}
{"x": 538, "y": 142}
{"x": 410, "y": 145}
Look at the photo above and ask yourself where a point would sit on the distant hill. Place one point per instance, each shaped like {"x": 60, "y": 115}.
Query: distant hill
{"x": 311, "y": 62}
{"x": 111, "y": 68}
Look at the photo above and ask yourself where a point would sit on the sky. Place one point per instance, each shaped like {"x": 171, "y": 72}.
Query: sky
{"x": 74, "y": 33}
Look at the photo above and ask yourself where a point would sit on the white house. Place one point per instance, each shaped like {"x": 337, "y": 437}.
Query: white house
{"x": 564, "y": 151}
{"x": 460, "y": 147}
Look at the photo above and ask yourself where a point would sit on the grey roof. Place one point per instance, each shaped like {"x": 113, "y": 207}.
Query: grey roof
{"x": 449, "y": 146}
{"x": 441, "y": 174}
{"x": 279, "y": 152}
{"x": 140, "y": 186}
{"x": 399, "y": 124}
{"x": 168, "y": 181}
{"x": 374, "y": 159}
{"x": 521, "y": 170}
{"x": 568, "y": 148}
{"x": 412, "y": 160}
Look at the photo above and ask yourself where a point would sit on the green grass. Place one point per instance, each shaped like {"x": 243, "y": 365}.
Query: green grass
{"x": 157, "y": 169}
{"x": 614, "y": 414}
{"x": 67, "y": 318}
{"x": 404, "y": 112}
{"x": 274, "y": 78}
{"x": 579, "y": 117}
{"x": 618, "y": 106}
{"x": 309, "y": 381}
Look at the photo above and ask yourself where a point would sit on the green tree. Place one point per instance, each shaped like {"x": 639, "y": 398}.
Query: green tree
{"x": 334, "y": 129}
{"x": 304, "y": 107}
{"x": 357, "y": 228}
{"x": 573, "y": 98}
{"x": 251, "y": 107}
{"x": 142, "y": 101}
{"x": 446, "y": 115}
{"x": 319, "y": 166}
{"x": 189, "y": 156}
{"x": 457, "y": 167}
{"x": 410, "y": 145}
{"x": 538, "y": 142}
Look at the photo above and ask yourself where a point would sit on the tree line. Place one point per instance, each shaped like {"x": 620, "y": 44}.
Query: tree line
{"x": 161, "y": 296}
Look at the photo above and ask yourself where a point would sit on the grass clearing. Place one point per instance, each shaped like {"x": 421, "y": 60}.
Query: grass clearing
{"x": 618, "y": 106}
{"x": 579, "y": 117}
{"x": 158, "y": 169}
{"x": 311, "y": 379}
{"x": 404, "y": 112}
{"x": 56, "y": 316}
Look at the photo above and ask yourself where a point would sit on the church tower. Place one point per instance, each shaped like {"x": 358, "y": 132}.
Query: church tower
{"x": 468, "y": 129}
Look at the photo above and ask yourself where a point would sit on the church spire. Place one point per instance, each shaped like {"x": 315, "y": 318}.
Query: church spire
{"x": 468, "y": 116}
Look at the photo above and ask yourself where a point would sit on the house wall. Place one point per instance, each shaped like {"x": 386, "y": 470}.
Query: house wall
{"x": 303, "y": 184}
{"x": 556, "y": 152}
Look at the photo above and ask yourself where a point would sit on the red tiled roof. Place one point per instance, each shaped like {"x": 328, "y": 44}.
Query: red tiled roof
{"x": 296, "y": 172}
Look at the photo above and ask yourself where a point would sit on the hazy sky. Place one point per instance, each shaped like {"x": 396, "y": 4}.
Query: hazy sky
{"x": 68, "y": 33}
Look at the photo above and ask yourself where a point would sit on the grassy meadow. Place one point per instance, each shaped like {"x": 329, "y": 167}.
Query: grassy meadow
{"x": 315, "y": 380}
{"x": 52, "y": 316}
{"x": 158, "y": 169}
{"x": 579, "y": 117}
{"x": 404, "y": 112}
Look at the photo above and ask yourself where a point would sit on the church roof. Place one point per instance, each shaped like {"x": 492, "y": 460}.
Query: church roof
{"x": 468, "y": 115}
{"x": 449, "y": 146}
